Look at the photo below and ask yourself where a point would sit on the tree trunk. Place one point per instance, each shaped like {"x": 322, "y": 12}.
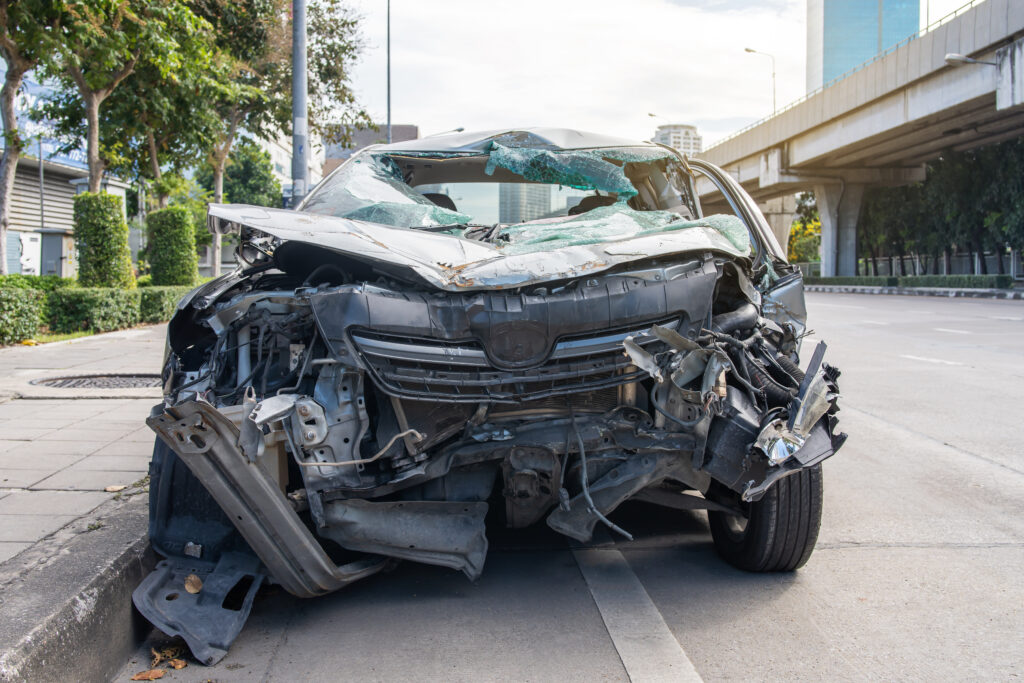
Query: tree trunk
{"x": 874, "y": 261}
{"x": 947, "y": 255}
{"x": 12, "y": 149}
{"x": 218, "y": 198}
{"x": 92, "y": 141}
{"x": 903, "y": 265}
{"x": 999, "y": 259}
{"x": 981, "y": 257}
{"x": 154, "y": 161}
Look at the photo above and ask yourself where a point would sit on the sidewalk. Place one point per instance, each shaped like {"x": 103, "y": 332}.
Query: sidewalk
{"x": 64, "y": 539}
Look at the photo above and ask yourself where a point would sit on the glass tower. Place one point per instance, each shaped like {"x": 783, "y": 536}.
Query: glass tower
{"x": 842, "y": 34}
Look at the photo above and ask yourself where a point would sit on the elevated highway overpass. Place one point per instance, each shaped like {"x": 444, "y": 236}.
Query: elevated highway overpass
{"x": 879, "y": 124}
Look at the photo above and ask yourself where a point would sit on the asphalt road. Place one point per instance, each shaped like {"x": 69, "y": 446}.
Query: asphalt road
{"x": 918, "y": 573}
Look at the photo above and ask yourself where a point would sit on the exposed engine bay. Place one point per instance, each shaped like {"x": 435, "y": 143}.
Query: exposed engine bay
{"x": 323, "y": 421}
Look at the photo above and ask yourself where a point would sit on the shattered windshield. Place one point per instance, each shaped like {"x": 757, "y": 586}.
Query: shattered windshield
{"x": 523, "y": 199}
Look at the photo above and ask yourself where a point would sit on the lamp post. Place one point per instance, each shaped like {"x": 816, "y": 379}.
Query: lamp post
{"x": 389, "y": 72}
{"x": 771, "y": 57}
{"x": 300, "y": 128}
{"x": 957, "y": 59}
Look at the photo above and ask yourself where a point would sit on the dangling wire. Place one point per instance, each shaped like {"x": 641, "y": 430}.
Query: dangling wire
{"x": 585, "y": 484}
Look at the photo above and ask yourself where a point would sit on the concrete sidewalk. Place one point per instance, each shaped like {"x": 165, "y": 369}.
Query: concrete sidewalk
{"x": 60, "y": 448}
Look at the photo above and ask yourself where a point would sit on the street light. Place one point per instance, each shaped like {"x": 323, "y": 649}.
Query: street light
{"x": 771, "y": 57}
{"x": 957, "y": 59}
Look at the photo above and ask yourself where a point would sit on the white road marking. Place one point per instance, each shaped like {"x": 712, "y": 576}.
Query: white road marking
{"x": 931, "y": 360}
{"x": 1007, "y": 317}
{"x": 873, "y": 322}
{"x": 818, "y": 303}
{"x": 646, "y": 646}
{"x": 950, "y": 330}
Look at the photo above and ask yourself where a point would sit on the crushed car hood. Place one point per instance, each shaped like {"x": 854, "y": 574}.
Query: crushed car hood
{"x": 449, "y": 262}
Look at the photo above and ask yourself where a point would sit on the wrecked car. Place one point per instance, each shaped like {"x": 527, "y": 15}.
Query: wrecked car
{"x": 539, "y": 323}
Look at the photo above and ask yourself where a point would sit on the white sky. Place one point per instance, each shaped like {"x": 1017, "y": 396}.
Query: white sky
{"x": 595, "y": 65}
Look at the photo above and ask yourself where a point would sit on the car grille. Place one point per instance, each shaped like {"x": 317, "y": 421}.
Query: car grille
{"x": 461, "y": 372}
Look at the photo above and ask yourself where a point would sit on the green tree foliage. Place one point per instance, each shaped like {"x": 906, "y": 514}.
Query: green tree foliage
{"x": 248, "y": 178}
{"x": 100, "y": 44}
{"x": 971, "y": 202}
{"x": 25, "y": 26}
{"x": 101, "y": 236}
{"x": 172, "y": 252}
{"x": 254, "y": 40}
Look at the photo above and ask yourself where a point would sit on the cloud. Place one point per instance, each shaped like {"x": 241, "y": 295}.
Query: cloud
{"x": 598, "y": 66}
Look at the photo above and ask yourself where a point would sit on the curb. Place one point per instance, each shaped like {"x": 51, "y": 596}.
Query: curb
{"x": 65, "y": 603}
{"x": 948, "y": 292}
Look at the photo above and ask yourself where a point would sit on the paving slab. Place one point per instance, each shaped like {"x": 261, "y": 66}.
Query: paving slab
{"x": 30, "y": 528}
{"x": 77, "y": 503}
{"x": 21, "y": 478}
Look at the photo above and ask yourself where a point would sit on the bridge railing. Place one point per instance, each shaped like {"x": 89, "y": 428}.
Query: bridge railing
{"x": 881, "y": 55}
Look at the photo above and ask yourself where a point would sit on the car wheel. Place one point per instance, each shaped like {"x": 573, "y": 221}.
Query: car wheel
{"x": 780, "y": 530}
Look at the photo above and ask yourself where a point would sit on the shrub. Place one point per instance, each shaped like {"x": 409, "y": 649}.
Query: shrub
{"x": 101, "y": 235}
{"x": 20, "y": 313}
{"x": 46, "y": 283}
{"x": 865, "y": 281}
{"x": 144, "y": 280}
{"x": 172, "y": 251}
{"x": 958, "y": 281}
{"x": 93, "y": 308}
{"x": 158, "y": 304}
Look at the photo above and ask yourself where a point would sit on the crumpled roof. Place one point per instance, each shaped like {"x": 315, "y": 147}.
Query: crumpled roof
{"x": 536, "y": 137}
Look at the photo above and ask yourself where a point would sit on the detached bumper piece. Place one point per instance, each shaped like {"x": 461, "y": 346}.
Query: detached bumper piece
{"x": 210, "y": 619}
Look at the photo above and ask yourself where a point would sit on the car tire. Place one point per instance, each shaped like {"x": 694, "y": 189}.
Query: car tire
{"x": 780, "y": 530}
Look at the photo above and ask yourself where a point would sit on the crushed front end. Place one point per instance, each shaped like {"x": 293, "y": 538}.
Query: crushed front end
{"x": 325, "y": 419}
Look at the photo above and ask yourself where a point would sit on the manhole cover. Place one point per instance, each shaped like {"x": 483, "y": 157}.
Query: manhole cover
{"x": 101, "y": 382}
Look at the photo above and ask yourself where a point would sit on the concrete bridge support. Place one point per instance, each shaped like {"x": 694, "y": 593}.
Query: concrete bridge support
{"x": 839, "y": 205}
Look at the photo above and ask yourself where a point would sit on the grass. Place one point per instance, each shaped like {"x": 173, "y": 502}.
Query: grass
{"x": 48, "y": 337}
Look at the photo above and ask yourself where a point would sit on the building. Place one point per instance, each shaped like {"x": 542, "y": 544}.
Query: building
{"x": 842, "y": 34}
{"x": 336, "y": 153}
{"x": 680, "y": 136}
{"x": 520, "y": 202}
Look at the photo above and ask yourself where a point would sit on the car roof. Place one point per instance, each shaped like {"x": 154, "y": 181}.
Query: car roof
{"x": 533, "y": 137}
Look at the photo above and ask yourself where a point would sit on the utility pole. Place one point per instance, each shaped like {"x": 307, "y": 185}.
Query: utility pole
{"x": 300, "y": 87}
{"x": 389, "y": 72}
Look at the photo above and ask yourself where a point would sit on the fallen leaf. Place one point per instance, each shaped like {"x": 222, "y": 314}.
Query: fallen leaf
{"x": 177, "y": 663}
{"x": 150, "y": 675}
{"x": 193, "y": 584}
{"x": 165, "y": 653}
{"x": 115, "y": 488}
{"x": 29, "y": 342}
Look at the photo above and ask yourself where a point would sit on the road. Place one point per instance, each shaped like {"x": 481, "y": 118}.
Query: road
{"x": 916, "y": 576}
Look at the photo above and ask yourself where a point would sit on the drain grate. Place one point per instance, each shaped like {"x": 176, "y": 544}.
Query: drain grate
{"x": 101, "y": 382}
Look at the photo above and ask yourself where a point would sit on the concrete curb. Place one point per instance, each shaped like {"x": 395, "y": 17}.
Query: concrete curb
{"x": 949, "y": 292}
{"x": 65, "y": 603}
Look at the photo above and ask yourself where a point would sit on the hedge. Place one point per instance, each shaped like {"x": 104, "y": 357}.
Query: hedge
{"x": 866, "y": 281}
{"x": 47, "y": 283}
{"x": 172, "y": 247}
{"x": 20, "y": 312}
{"x": 955, "y": 281}
{"x": 959, "y": 281}
{"x": 101, "y": 235}
{"x": 93, "y": 308}
{"x": 158, "y": 304}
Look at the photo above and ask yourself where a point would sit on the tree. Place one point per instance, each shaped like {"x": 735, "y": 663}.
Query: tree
{"x": 102, "y": 43}
{"x": 24, "y": 27}
{"x": 248, "y": 177}
{"x": 254, "y": 37}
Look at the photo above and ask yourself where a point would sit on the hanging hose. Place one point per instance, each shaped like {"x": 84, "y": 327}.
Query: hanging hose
{"x": 686, "y": 424}
{"x": 790, "y": 367}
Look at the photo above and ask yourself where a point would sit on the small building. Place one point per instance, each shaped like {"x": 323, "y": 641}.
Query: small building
{"x": 336, "y": 154}
{"x": 680, "y": 136}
